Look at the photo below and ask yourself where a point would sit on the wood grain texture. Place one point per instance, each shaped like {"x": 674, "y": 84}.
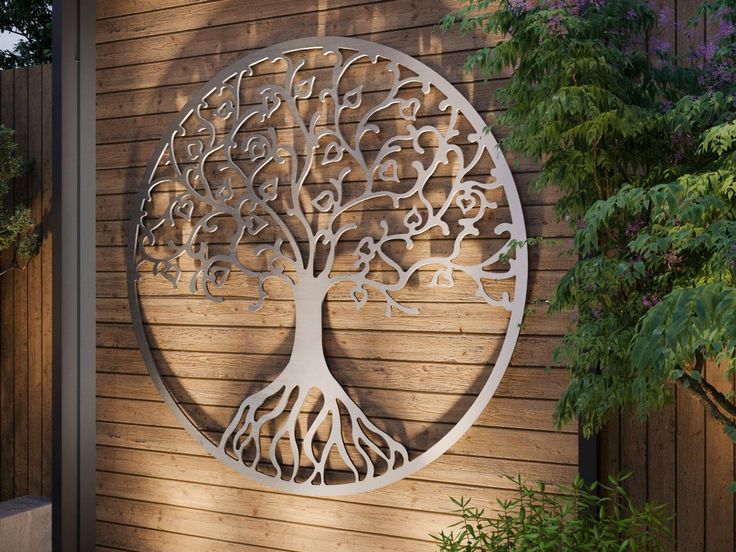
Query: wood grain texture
{"x": 25, "y": 300}
{"x": 47, "y": 267}
{"x": 7, "y": 351}
{"x": 20, "y": 309}
{"x": 157, "y": 488}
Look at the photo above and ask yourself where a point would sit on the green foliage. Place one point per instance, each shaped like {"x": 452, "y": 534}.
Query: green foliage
{"x": 643, "y": 148}
{"x": 31, "y": 19}
{"x": 583, "y": 94}
{"x": 598, "y": 518}
{"x": 663, "y": 292}
{"x": 17, "y": 228}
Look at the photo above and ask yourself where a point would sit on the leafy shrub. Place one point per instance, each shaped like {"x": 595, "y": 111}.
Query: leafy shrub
{"x": 578, "y": 520}
{"x": 17, "y": 228}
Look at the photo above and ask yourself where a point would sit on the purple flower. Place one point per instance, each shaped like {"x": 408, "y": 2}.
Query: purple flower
{"x": 707, "y": 51}
{"x": 633, "y": 229}
{"x": 631, "y": 14}
{"x": 572, "y": 6}
{"x": 665, "y": 17}
{"x": 581, "y": 223}
{"x": 518, "y": 7}
{"x": 596, "y": 313}
{"x": 670, "y": 259}
{"x": 660, "y": 46}
{"x": 649, "y": 300}
{"x": 725, "y": 30}
{"x": 723, "y": 73}
{"x": 555, "y": 25}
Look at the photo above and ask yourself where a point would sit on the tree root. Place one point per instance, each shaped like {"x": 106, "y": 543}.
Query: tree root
{"x": 244, "y": 435}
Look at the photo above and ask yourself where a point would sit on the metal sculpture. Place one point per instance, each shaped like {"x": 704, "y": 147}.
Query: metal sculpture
{"x": 230, "y": 169}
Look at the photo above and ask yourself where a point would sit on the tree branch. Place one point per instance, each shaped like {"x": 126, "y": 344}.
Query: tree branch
{"x": 719, "y": 398}
{"x": 696, "y": 388}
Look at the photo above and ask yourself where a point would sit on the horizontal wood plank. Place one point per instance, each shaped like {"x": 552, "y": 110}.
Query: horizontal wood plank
{"x": 222, "y": 399}
{"x": 479, "y": 471}
{"x": 532, "y": 446}
{"x": 461, "y": 349}
{"x": 243, "y": 530}
{"x": 519, "y": 381}
{"x": 241, "y": 34}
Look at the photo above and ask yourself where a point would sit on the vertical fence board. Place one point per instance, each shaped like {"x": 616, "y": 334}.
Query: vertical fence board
{"x": 7, "y": 374}
{"x": 34, "y": 270}
{"x": 46, "y": 281}
{"x": 25, "y": 300}
{"x": 661, "y": 468}
{"x": 609, "y": 443}
{"x": 690, "y": 473}
{"x": 20, "y": 316}
{"x": 719, "y": 466}
{"x": 634, "y": 455}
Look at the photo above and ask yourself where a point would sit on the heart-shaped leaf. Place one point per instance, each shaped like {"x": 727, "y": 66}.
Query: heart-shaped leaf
{"x": 218, "y": 275}
{"x": 352, "y": 99}
{"x": 324, "y": 201}
{"x": 254, "y": 224}
{"x": 413, "y": 219}
{"x": 184, "y": 208}
{"x": 172, "y": 272}
{"x": 226, "y": 190}
{"x": 225, "y": 109}
{"x": 360, "y": 295}
{"x": 408, "y": 109}
{"x": 389, "y": 171}
{"x": 365, "y": 248}
{"x": 269, "y": 189}
{"x": 256, "y": 148}
{"x": 466, "y": 202}
{"x": 333, "y": 153}
{"x": 303, "y": 89}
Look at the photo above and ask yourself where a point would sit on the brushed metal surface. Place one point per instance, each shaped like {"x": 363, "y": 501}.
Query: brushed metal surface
{"x": 216, "y": 189}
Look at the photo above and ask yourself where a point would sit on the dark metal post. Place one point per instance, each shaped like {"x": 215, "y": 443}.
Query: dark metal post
{"x": 588, "y": 457}
{"x": 74, "y": 275}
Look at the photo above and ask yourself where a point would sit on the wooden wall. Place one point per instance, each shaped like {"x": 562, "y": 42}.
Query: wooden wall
{"x": 157, "y": 489}
{"x": 25, "y": 297}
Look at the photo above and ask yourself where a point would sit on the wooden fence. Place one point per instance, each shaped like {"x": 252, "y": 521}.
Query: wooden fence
{"x": 25, "y": 297}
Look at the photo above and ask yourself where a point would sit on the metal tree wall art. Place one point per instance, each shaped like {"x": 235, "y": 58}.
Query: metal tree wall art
{"x": 292, "y": 164}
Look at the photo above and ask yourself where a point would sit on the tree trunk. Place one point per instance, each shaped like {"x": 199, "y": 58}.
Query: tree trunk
{"x": 368, "y": 453}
